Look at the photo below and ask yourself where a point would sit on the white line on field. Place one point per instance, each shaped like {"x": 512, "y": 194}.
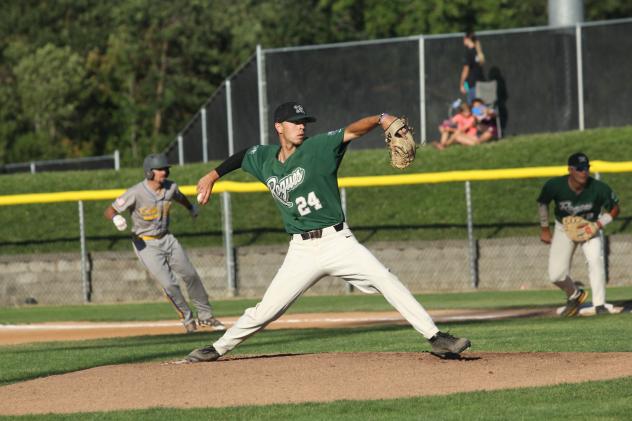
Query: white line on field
{"x": 163, "y": 324}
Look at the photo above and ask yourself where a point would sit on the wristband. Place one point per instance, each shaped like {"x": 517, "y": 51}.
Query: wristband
{"x": 543, "y": 212}
{"x": 604, "y": 220}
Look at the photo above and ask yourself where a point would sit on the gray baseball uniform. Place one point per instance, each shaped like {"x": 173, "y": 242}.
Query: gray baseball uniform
{"x": 159, "y": 251}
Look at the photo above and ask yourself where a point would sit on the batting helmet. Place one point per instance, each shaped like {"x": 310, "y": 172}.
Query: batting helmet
{"x": 155, "y": 161}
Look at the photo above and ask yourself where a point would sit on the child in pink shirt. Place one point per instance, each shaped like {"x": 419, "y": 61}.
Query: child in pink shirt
{"x": 462, "y": 123}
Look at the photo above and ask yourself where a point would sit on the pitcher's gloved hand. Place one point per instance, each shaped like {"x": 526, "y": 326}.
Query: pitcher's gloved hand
{"x": 400, "y": 143}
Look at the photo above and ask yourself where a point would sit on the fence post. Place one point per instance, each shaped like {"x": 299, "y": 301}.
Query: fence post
{"x": 580, "y": 76}
{"x": 229, "y": 118}
{"x": 422, "y": 90}
{"x": 343, "y": 203}
{"x": 229, "y": 250}
{"x": 117, "y": 160}
{"x": 33, "y": 170}
{"x": 263, "y": 98}
{"x": 604, "y": 247}
{"x": 85, "y": 269}
{"x": 180, "y": 150}
{"x": 472, "y": 249}
{"x": 204, "y": 135}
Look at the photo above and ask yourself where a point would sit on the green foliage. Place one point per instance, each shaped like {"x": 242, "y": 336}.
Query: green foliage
{"x": 51, "y": 85}
{"x": 135, "y": 71}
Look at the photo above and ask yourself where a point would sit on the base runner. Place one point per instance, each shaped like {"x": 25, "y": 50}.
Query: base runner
{"x": 579, "y": 201}
{"x": 301, "y": 174}
{"x": 158, "y": 250}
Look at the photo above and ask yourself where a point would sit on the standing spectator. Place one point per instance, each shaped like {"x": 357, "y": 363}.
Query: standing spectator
{"x": 473, "y": 61}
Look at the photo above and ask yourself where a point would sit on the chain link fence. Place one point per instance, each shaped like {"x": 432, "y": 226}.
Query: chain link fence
{"x": 576, "y": 76}
{"x": 548, "y": 80}
{"x": 427, "y": 251}
{"x": 112, "y": 161}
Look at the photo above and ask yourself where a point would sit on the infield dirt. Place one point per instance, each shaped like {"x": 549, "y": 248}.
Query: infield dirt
{"x": 324, "y": 377}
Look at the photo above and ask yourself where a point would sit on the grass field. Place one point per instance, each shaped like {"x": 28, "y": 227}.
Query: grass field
{"x": 501, "y": 208}
{"x": 592, "y": 400}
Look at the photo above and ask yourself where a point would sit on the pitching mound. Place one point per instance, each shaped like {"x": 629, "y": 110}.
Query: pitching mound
{"x": 270, "y": 379}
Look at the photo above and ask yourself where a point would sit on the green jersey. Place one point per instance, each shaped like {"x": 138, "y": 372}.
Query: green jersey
{"x": 305, "y": 186}
{"x": 587, "y": 204}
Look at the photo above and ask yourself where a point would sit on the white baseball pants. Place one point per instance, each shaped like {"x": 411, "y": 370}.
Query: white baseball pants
{"x": 307, "y": 261}
{"x": 561, "y": 255}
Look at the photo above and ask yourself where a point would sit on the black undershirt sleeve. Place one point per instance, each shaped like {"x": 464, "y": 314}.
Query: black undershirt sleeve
{"x": 231, "y": 163}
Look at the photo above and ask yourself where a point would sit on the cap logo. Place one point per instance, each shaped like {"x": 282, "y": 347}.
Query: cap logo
{"x": 299, "y": 109}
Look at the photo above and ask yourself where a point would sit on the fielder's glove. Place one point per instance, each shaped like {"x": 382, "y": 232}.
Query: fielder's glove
{"x": 400, "y": 143}
{"x": 578, "y": 229}
{"x": 119, "y": 222}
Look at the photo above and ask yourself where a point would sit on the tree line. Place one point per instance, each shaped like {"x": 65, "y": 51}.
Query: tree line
{"x": 86, "y": 77}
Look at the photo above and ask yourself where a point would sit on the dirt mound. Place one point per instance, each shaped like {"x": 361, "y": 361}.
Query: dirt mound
{"x": 261, "y": 380}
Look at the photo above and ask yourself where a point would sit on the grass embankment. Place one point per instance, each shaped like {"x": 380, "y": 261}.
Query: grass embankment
{"x": 501, "y": 208}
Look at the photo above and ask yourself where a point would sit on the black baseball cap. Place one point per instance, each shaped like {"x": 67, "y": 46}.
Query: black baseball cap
{"x": 579, "y": 161}
{"x": 292, "y": 112}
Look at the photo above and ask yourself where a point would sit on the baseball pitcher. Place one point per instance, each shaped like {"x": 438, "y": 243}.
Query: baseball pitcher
{"x": 583, "y": 206}
{"x": 148, "y": 203}
{"x": 301, "y": 174}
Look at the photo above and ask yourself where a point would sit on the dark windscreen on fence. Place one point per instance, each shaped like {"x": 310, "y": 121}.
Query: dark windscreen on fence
{"x": 245, "y": 99}
{"x": 339, "y": 85}
{"x": 217, "y": 126}
{"x": 535, "y": 74}
{"x": 607, "y": 63}
{"x": 192, "y": 140}
{"x": 535, "y": 71}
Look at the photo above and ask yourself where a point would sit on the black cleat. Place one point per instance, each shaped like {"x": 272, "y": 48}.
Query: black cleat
{"x": 446, "y": 346}
{"x": 573, "y": 305}
{"x": 207, "y": 353}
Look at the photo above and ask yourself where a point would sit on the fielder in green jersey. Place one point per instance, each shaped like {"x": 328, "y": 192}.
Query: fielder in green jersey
{"x": 577, "y": 194}
{"x": 301, "y": 174}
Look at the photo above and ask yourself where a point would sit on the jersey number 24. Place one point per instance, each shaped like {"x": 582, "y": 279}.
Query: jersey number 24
{"x": 305, "y": 205}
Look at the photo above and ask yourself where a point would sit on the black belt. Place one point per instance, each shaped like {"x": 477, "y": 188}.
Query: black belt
{"x": 319, "y": 233}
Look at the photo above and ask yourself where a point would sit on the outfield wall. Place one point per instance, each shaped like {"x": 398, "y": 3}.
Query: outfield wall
{"x": 424, "y": 266}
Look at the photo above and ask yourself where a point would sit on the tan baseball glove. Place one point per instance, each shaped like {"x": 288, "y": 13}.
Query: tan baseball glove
{"x": 400, "y": 143}
{"x": 578, "y": 229}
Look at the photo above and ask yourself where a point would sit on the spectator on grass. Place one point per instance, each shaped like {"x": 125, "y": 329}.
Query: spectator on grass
{"x": 486, "y": 129}
{"x": 461, "y": 123}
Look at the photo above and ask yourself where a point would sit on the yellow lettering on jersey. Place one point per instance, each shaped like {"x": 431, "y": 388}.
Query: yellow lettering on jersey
{"x": 148, "y": 214}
